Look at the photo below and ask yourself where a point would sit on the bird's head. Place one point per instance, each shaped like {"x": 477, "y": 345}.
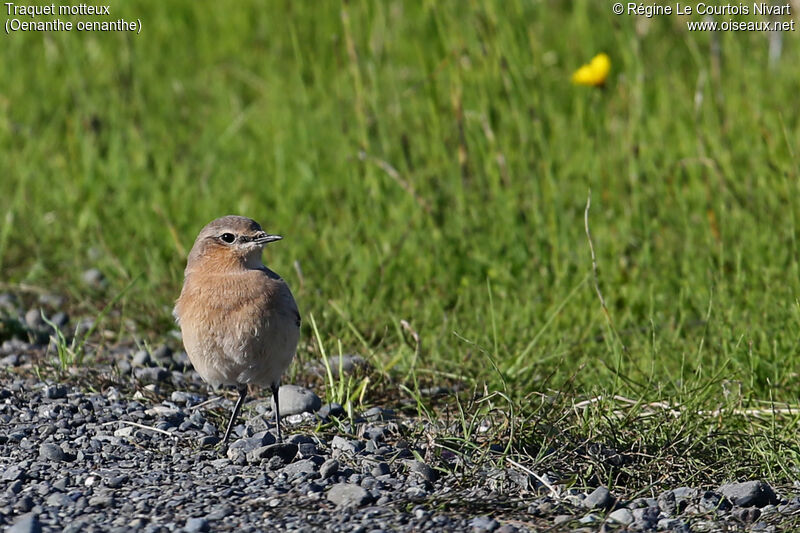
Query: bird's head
{"x": 230, "y": 242}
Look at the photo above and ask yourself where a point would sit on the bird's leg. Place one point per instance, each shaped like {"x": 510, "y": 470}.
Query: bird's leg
{"x": 275, "y": 388}
{"x": 236, "y": 409}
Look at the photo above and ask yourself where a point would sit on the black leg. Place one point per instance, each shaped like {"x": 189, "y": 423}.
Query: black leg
{"x": 236, "y": 408}
{"x": 275, "y": 387}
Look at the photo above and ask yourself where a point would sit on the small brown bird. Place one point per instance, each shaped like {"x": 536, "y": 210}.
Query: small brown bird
{"x": 239, "y": 320}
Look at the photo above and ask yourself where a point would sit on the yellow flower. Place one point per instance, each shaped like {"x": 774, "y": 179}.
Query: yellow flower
{"x": 594, "y": 73}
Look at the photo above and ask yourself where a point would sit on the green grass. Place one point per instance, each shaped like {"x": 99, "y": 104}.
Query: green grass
{"x": 429, "y": 162}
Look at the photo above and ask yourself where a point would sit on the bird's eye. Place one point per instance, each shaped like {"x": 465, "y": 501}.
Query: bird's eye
{"x": 228, "y": 237}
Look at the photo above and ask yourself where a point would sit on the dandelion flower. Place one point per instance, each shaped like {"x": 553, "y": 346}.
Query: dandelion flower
{"x": 594, "y": 73}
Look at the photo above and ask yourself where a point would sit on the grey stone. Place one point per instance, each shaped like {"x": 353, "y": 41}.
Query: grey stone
{"x": 600, "y": 498}
{"x": 590, "y": 518}
{"x": 152, "y": 374}
{"x": 348, "y": 495}
{"x": 672, "y": 524}
{"x": 346, "y": 445}
{"x": 712, "y": 501}
{"x": 52, "y": 452}
{"x": 103, "y": 499}
{"x": 348, "y": 364}
{"x": 622, "y": 516}
{"x": 283, "y": 451}
{"x": 27, "y": 523}
{"x": 197, "y": 525}
{"x": 60, "y": 319}
{"x": 116, "y": 482}
{"x": 13, "y": 473}
{"x": 426, "y": 472}
{"x": 295, "y": 400}
{"x": 304, "y": 466}
{"x": 331, "y": 409}
{"x": 248, "y": 444}
{"x": 93, "y": 278}
{"x": 646, "y": 516}
{"x": 141, "y": 358}
{"x": 55, "y": 392}
{"x": 329, "y": 468}
{"x": 746, "y": 514}
{"x": 750, "y": 494}
{"x": 483, "y": 523}
{"x": 33, "y": 318}
{"x": 58, "y": 499}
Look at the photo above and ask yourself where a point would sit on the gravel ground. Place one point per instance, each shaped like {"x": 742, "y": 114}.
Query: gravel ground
{"x": 133, "y": 444}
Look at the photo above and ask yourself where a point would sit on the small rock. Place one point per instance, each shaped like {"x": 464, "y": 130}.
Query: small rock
{"x": 93, "y": 278}
{"x": 141, "y": 358}
{"x": 375, "y": 414}
{"x": 346, "y": 445}
{"x": 483, "y": 523}
{"x": 13, "y": 473}
{"x": 163, "y": 355}
{"x": 295, "y": 400}
{"x": 55, "y": 392}
{"x": 208, "y": 441}
{"x": 331, "y": 409}
{"x": 152, "y": 375}
{"x": 284, "y": 451}
{"x": 348, "y": 364}
{"x": 248, "y": 444}
{"x": 622, "y": 516}
{"x": 348, "y": 495}
{"x": 305, "y": 466}
{"x": 600, "y": 498}
{"x": 590, "y": 518}
{"x": 329, "y": 468}
{"x": 27, "y": 523}
{"x": 33, "y": 318}
{"x": 749, "y": 494}
{"x": 102, "y": 500}
{"x": 426, "y": 472}
{"x": 672, "y": 524}
{"x": 381, "y": 469}
{"x": 52, "y": 452}
{"x": 116, "y": 482}
{"x": 711, "y": 501}
{"x": 58, "y": 499}
{"x": 746, "y": 514}
{"x": 60, "y": 319}
{"x": 197, "y": 525}
{"x": 646, "y": 516}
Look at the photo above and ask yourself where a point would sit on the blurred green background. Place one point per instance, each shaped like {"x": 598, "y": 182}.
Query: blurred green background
{"x": 428, "y": 162}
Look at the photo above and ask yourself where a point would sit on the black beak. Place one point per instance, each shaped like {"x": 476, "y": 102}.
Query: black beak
{"x": 264, "y": 238}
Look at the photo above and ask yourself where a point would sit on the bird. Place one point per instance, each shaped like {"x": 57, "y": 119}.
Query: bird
{"x": 239, "y": 320}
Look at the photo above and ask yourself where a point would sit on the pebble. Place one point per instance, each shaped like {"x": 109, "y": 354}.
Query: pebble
{"x": 424, "y": 471}
{"x": 483, "y": 523}
{"x": 93, "y": 278}
{"x": 329, "y": 468}
{"x": 600, "y": 498}
{"x": 348, "y": 495}
{"x": 55, "y": 392}
{"x": 749, "y": 494}
{"x": 622, "y": 516}
{"x": 52, "y": 452}
{"x": 331, "y": 409}
{"x": 295, "y": 400}
{"x": 197, "y": 525}
{"x": 27, "y": 523}
{"x": 34, "y": 320}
